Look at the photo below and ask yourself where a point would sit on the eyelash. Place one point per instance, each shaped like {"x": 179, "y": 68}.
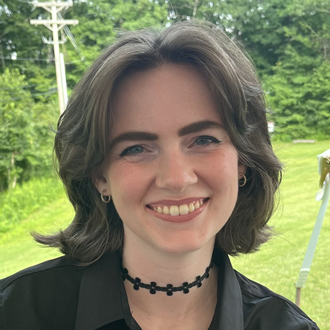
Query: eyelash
{"x": 127, "y": 151}
{"x": 210, "y": 140}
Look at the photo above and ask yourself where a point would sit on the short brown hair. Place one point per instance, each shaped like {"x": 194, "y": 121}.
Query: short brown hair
{"x": 81, "y": 141}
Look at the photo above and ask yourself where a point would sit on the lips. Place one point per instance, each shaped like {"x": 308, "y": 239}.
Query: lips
{"x": 177, "y": 208}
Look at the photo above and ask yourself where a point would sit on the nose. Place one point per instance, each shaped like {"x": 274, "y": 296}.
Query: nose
{"x": 175, "y": 172}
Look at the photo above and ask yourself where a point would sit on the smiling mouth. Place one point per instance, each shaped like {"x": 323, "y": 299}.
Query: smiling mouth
{"x": 177, "y": 210}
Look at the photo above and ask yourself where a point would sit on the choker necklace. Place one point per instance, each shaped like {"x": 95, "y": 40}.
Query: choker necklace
{"x": 169, "y": 288}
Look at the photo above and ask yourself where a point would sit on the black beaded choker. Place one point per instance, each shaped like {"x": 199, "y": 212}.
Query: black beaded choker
{"x": 169, "y": 288}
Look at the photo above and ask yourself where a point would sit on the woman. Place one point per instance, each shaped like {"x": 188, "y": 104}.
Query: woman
{"x": 166, "y": 158}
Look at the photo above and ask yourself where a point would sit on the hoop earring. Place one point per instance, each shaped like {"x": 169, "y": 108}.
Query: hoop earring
{"x": 105, "y": 200}
{"x": 244, "y": 180}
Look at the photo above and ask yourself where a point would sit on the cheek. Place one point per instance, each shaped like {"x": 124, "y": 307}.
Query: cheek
{"x": 221, "y": 166}
{"x": 128, "y": 181}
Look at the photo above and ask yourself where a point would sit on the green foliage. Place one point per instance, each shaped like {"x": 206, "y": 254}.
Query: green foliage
{"x": 299, "y": 86}
{"x": 16, "y": 133}
{"x": 289, "y": 42}
{"x": 18, "y": 38}
{"x": 258, "y": 25}
{"x": 99, "y": 25}
{"x": 17, "y": 205}
{"x": 300, "y": 98}
{"x": 25, "y": 133}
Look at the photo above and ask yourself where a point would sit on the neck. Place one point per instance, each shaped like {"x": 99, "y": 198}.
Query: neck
{"x": 151, "y": 265}
{"x": 169, "y": 288}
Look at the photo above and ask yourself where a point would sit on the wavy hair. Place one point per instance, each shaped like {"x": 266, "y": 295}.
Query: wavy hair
{"x": 81, "y": 141}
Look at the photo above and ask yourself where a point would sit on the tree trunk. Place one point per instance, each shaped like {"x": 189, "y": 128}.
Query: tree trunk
{"x": 12, "y": 181}
{"x": 195, "y": 8}
{"x": 2, "y": 59}
{"x": 8, "y": 179}
{"x": 325, "y": 46}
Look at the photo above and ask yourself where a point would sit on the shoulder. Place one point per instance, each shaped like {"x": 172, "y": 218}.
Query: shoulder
{"x": 50, "y": 288}
{"x": 264, "y": 309}
{"x": 51, "y": 270}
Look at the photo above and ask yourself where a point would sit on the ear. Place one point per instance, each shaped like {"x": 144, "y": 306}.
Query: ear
{"x": 100, "y": 182}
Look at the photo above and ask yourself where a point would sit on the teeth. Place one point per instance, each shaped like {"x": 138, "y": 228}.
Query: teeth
{"x": 191, "y": 207}
{"x": 183, "y": 209}
{"x": 166, "y": 210}
{"x": 175, "y": 210}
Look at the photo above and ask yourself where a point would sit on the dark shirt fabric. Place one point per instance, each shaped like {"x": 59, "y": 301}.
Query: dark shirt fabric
{"x": 57, "y": 295}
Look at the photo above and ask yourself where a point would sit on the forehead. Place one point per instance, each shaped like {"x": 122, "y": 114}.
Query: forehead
{"x": 174, "y": 93}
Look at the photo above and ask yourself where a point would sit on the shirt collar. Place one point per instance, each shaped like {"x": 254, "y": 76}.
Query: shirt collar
{"x": 229, "y": 310}
{"x": 102, "y": 295}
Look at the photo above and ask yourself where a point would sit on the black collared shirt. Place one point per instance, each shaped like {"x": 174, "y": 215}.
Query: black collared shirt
{"x": 57, "y": 295}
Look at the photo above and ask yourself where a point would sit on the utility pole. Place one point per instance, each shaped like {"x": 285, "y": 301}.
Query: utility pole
{"x": 55, "y": 25}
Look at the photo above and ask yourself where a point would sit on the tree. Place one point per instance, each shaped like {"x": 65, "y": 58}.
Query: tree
{"x": 289, "y": 42}
{"x": 22, "y": 46}
{"x": 257, "y": 24}
{"x": 99, "y": 23}
{"x": 25, "y": 135}
{"x": 300, "y": 84}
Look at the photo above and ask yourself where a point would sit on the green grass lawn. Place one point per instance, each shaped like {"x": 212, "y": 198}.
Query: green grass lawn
{"x": 276, "y": 265}
{"x": 17, "y": 248}
{"x": 278, "y": 262}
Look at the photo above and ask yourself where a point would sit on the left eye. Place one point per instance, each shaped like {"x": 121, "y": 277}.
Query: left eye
{"x": 206, "y": 140}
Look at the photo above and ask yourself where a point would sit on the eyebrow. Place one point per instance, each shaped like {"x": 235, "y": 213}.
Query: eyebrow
{"x": 145, "y": 136}
{"x": 199, "y": 126}
{"x": 133, "y": 136}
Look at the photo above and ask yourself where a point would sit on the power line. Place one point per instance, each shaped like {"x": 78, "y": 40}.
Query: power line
{"x": 72, "y": 39}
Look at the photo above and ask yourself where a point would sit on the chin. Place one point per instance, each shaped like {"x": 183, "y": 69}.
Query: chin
{"x": 183, "y": 246}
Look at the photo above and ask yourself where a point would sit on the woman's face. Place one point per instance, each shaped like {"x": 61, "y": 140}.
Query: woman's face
{"x": 170, "y": 155}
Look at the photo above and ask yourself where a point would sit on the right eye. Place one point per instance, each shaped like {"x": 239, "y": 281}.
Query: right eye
{"x": 132, "y": 151}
